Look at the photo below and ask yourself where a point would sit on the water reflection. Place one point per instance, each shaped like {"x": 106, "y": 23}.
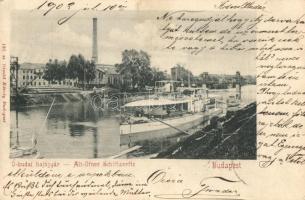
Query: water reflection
{"x": 73, "y": 130}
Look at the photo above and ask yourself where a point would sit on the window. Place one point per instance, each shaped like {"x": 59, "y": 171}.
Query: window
{"x": 39, "y": 83}
{"x": 23, "y": 77}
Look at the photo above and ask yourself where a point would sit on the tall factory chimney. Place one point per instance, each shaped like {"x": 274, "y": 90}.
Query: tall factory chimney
{"x": 94, "y": 41}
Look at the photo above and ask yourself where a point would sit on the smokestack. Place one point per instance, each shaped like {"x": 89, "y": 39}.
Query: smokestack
{"x": 94, "y": 41}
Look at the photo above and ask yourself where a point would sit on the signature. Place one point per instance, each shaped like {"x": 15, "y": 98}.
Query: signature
{"x": 204, "y": 190}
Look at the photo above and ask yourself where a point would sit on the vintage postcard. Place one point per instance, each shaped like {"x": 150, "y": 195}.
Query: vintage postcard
{"x": 130, "y": 99}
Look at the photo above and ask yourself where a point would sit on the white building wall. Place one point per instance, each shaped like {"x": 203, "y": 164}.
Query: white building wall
{"x": 34, "y": 78}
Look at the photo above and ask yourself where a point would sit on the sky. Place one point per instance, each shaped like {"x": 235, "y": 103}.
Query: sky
{"x": 36, "y": 38}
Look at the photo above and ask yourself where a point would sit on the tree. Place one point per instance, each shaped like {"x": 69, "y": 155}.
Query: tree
{"x": 73, "y": 67}
{"x": 158, "y": 75}
{"x": 55, "y": 70}
{"x": 89, "y": 71}
{"x": 183, "y": 74}
{"x": 136, "y": 66}
{"x": 81, "y": 69}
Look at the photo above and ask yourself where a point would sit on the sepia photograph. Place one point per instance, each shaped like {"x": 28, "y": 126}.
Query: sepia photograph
{"x": 116, "y": 86}
{"x": 151, "y": 100}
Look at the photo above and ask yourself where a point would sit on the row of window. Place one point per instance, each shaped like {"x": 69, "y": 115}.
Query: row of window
{"x": 32, "y": 70}
{"x": 34, "y": 83}
{"x": 113, "y": 80}
{"x": 30, "y": 77}
{"x": 44, "y": 83}
{"x": 39, "y": 77}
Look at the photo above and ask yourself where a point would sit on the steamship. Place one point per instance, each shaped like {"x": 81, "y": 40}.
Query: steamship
{"x": 162, "y": 116}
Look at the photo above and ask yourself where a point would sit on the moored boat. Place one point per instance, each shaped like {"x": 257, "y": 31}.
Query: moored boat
{"x": 163, "y": 117}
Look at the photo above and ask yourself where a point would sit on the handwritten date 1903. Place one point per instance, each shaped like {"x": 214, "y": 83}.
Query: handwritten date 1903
{"x": 48, "y": 6}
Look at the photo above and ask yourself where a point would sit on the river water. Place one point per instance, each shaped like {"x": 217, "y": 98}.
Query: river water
{"x": 77, "y": 130}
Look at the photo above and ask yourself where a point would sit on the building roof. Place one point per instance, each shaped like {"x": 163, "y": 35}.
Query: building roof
{"x": 109, "y": 69}
{"x": 32, "y": 66}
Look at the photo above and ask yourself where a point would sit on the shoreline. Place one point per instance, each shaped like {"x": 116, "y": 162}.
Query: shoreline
{"x": 220, "y": 141}
{"x": 195, "y": 130}
{"x": 43, "y": 100}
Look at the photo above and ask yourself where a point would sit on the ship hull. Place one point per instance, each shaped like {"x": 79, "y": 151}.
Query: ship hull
{"x": 155, "y": 129}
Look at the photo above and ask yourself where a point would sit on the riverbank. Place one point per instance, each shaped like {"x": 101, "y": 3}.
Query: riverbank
{"x": 34, "y": 100}
{"x": 230, "y": 137}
